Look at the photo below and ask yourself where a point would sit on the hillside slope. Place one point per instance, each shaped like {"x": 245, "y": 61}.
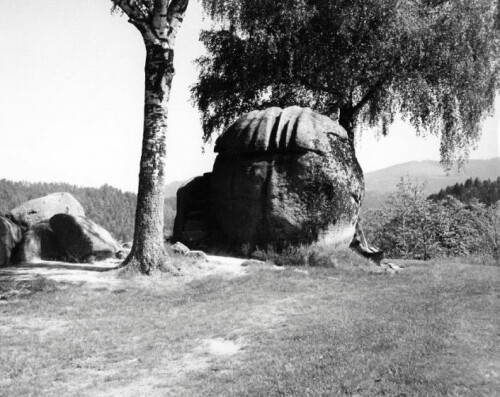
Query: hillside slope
{"x": 381, "y": 183}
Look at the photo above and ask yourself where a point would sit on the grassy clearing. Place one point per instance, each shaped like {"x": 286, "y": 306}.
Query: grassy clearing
{"x": 430, "y": 330}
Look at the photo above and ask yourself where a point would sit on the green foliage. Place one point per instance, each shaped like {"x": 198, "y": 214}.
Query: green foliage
{"x": 411, "y": 226}
{"x": 312, "y": 255}
{"x": 487, "y": 192}
{"x": 109, "y": 207}
{"x": 434, "y": 62}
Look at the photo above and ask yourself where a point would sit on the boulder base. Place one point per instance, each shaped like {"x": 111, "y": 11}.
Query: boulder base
{"x": 10, "y": 236}
{"x": 43, "y": 208}
{"x": 39, "y": 243}
{"x": 82, "y": 239}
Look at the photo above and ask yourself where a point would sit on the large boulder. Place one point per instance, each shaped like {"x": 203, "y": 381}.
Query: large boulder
{"x": 83, "y": 240}
{"x": 43, "y": 208}
{"x": 192, "y": 220}
{"x": 10, "y": 236}
{"x": 39, "y": 243}
{"x": 282, "y": 176}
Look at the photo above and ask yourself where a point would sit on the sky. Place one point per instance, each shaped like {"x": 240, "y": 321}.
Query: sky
{"x": 71, "y": 100}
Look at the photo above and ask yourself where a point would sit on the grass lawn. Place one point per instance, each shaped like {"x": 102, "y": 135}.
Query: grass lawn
{"x": 431, "y": 330}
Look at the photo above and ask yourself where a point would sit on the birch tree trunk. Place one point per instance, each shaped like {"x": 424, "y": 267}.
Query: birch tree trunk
{"x": 158, "y": 25}
{"x": 148, "y": 251}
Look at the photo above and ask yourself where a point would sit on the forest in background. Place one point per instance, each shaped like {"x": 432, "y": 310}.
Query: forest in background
{"x": 458, "y": 220}
{"x": 486, "y": 192}
{"x": 109, "y": 207}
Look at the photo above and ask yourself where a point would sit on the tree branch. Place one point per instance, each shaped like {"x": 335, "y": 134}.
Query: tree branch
{"x": 159, "y": 20}
{"x": 175, "y": 16}
{"x": 369, "y": 95}
{"x": 317, "y": 86}
{"x": 131, "y": 9}
{"x": 147, "y": 32}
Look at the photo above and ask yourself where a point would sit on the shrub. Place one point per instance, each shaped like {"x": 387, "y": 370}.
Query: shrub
{"x": 414, "y": 227}
{"x": 313, "y": 255}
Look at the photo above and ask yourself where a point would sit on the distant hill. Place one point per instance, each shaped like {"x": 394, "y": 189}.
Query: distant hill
{"x": 381, "y": 183}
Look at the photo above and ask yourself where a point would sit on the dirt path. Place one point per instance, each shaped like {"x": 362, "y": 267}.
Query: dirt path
{"x": 105, "y": 272}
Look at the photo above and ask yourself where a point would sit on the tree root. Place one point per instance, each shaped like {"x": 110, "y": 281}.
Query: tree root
{"x": 148, "y": 266}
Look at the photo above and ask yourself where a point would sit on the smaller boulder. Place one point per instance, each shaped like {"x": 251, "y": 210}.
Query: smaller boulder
{"x": 43, "y": 208}
{"x": 199, "y": 256}
{"x": 124, "y": 251}
{"x": 255, "y": 263}
{"x": 180, "y": 249}
{"x": 39, "y": 243}
{"x": 10, "y": 236}
{"x": 82, "y": 239}
{"x": 121, "y": 254}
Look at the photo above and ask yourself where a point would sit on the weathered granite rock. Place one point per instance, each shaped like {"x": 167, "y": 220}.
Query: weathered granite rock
{"x": 82, "y": 239}
{"x": 43, "y": 208}
{"x": 192, "y": 221}
{"x": 285, "y": 176}
{"x": 180, "y": 249}
{"x": 10, "y": 236}
{"x": 39, "y": 243}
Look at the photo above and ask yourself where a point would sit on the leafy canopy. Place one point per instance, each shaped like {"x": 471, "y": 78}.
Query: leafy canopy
{"x": 435, "y": 62}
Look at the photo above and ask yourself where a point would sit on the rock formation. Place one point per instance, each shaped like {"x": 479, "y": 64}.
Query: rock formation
{"x": 10, "y": 236}
{"x": 39, "y": 243}
{"x": 54, "y": 229}
{"x": 44, "y": 208}
{"x": 83, "y": 240}
{"x": 281, "y": 176}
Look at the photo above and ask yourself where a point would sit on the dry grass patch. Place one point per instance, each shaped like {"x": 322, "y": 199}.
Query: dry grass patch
{"x": 430, "y": 330}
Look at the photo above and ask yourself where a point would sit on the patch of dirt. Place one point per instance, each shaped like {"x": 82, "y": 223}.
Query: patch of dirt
{"x": 222, "y": 347}
{"x": 28, "y": 325}
{"x": 104, "y": 274}
{"x": 169, "y": 378}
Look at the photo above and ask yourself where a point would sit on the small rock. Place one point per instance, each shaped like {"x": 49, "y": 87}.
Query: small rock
{"x": 393, "y": 266}
{"x": 198, "y": 255}
{"x": 253, "y": 262}
{"x": 121, "y": 254}
{"x": 180, "y": 249}
{"x": 127, "y": 246}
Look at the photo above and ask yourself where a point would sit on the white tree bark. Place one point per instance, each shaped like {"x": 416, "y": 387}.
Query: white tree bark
{"x": 158, "y": 27}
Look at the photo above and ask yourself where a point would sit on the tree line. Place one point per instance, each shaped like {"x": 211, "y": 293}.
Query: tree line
{"x": 110, "y": 207}
{"x": 413, "y": 226}
{"x": 486, "y": 192}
